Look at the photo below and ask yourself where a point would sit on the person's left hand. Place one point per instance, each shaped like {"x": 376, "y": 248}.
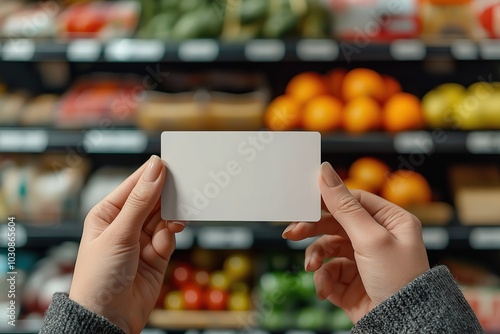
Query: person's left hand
{"x": 124, "y": 251}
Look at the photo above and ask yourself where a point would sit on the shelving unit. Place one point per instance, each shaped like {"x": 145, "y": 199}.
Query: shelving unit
{"x": 304, "y": 53}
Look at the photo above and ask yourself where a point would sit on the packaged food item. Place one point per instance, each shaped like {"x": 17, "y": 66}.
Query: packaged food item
{"x": 100, "y": 19}
{"x": 364, "y": 21}
{"x": 40, "y": 111}
{"x": 447, "y": 19}
{"x": 488, "y": 13}
{"x": 32, "y": 21}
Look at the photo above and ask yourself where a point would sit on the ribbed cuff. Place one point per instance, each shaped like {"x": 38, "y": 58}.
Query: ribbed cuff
{"x": 432, "y": 303}
{"x": 66, "y": 316}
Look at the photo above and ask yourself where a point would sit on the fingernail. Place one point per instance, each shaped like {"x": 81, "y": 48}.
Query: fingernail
{"x": 306, "y": 263}
{"x": 183, "y": 224}
{"x": 153, "y": 169}
{"x": 288, "y": 229}
{"x": 331, "y": 178}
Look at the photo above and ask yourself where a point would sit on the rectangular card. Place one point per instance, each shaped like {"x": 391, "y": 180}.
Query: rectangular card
{"x": 241, "y": 176}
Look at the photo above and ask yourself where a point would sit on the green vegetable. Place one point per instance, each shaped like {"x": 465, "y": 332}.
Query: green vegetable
{"x": 188, "y": 26}
{"x": 188, "y": 6}
{"x": 253, "y": 10}
{"x": 340, "y": 320}
{"x": 281, "y": 24}
{"x": 168, "y": 5}
{"x": 210, "y": 22}
{"x": 160, "y": 26}
{"x": 311, "y": 318}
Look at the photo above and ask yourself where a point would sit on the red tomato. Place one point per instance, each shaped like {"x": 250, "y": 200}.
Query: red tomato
{"x": 202, "y": 278}
{"x": 182, "y": 274}
{"x": 216, "y": 300}
{"x": 193, "y": 297}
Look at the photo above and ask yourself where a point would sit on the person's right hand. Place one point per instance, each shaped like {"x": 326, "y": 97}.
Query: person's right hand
{"x": 376, "y": 247}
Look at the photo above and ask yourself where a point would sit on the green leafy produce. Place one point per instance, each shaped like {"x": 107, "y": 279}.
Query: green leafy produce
{"x": 188, "y": 26}
{"x": 311, "y": 318}
{"x": 281, "y": 24}
{"x": 253, "y": 10}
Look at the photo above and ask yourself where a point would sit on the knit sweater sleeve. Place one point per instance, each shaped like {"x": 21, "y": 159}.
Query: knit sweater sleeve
{"x": 66, "y": 316}
{"x": 432, "y": 303}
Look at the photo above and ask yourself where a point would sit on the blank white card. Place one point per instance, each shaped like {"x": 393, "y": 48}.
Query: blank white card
{"x": 241, "y": 176}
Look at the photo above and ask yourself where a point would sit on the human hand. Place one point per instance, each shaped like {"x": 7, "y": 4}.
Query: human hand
{"x": 124, "y": 251}
{"x": 376, "y": 247}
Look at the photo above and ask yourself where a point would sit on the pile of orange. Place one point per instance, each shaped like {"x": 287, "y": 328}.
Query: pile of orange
{"x": 357, "y": 101}
{"x": 401, "y": 187}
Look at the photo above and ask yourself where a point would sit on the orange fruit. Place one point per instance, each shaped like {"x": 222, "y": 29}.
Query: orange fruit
{"x": 352, "y": 183}
{"x": 305, "y": 86}
{"x": 323, "y": 113}
{"x": 334, "y": 80}
{"x": 283, "y": 113}
{"x": 362, "y": 114}
{"x": 403, "y": 112}
{"x": 363, "y": 82}
{"x": 370, "y": 171}
{"x": 392, "y": 86}
{"x": 404, "y": 188}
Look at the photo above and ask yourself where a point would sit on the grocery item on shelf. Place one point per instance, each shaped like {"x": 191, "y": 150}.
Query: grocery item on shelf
{"x": 50, "y": 274}
{"x": 445, "y": 19}
{"x": 11, "y": 107}
{"x": 451, "y": 105}
{"x": 489, "y": 15}
{"x": 102, "y": 20}
{"x": 43, "y": 189}
{"x": 40, "y": 111}
{"x": 406, "y": 188}
{"x": 206, "y": 101}
{"x": 356, "y": 101}
{"x": 287, "y": 298}
{"x": 232, "y": 20}
{"x": 101, "y": 100}
{"x": 476, "y": 191}
{"x": 481, "y": 288}
{"x": 30, "y": 20}
{"x": 101, "y": 183}
{"x": 379, "y": 20}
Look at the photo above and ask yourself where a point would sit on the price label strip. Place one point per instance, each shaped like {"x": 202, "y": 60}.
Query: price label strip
{"x": 435, "y": 238}
{"x": 18, "y": 50}
{"x": 317, "y": 50}
{"x": 225, "y": 238}
{"x": 408, "y": 50}
{"x": 487, "y": 142}
{"x": 199, "y": 51}
{"x": 265, "y": 50}
{"x": 413, "y": 142}
{"x": 115, "y": 141}
{"x": 33, "y": 141}
{"x": 84, "y": 50}
{"x": 135, "y": 50}
{"x": 485, "y": 238}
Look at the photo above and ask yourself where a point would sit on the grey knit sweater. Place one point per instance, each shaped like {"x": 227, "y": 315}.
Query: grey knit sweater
{"x": 432, "y": 303}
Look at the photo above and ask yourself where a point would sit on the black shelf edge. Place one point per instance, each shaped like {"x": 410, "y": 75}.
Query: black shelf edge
{"x": 258, "y": 50}
{"x": 39, "y": 140}
{"x": 259, "y": 235}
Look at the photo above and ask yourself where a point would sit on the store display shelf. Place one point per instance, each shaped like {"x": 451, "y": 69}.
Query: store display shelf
{"x": 135, "y": 141}
{"x": 259, "y": 50}
{"x": 252, "y": 235}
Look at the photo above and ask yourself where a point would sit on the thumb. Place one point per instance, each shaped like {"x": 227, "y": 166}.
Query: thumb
{"x": 140, "y": 201}
{"x": 347, "y": 210}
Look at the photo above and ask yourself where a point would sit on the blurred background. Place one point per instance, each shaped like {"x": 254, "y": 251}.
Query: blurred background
{"x": 406, "y": 95}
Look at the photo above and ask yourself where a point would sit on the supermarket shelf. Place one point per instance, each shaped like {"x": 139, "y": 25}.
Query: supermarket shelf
{"x": 134, "y": 141}
{"x": 255, "y": 235}
{"x": 264, "y": 50}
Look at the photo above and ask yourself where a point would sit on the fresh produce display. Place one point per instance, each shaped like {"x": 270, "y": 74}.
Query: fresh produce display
{"x": 287, "y": 298}
{"x": 232, "y": 20}
{"x": 356, "y": 101}
{"x": 203, "y": 282}
{"x": 401, "y": 187}
{"x": 452, "y": 106}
